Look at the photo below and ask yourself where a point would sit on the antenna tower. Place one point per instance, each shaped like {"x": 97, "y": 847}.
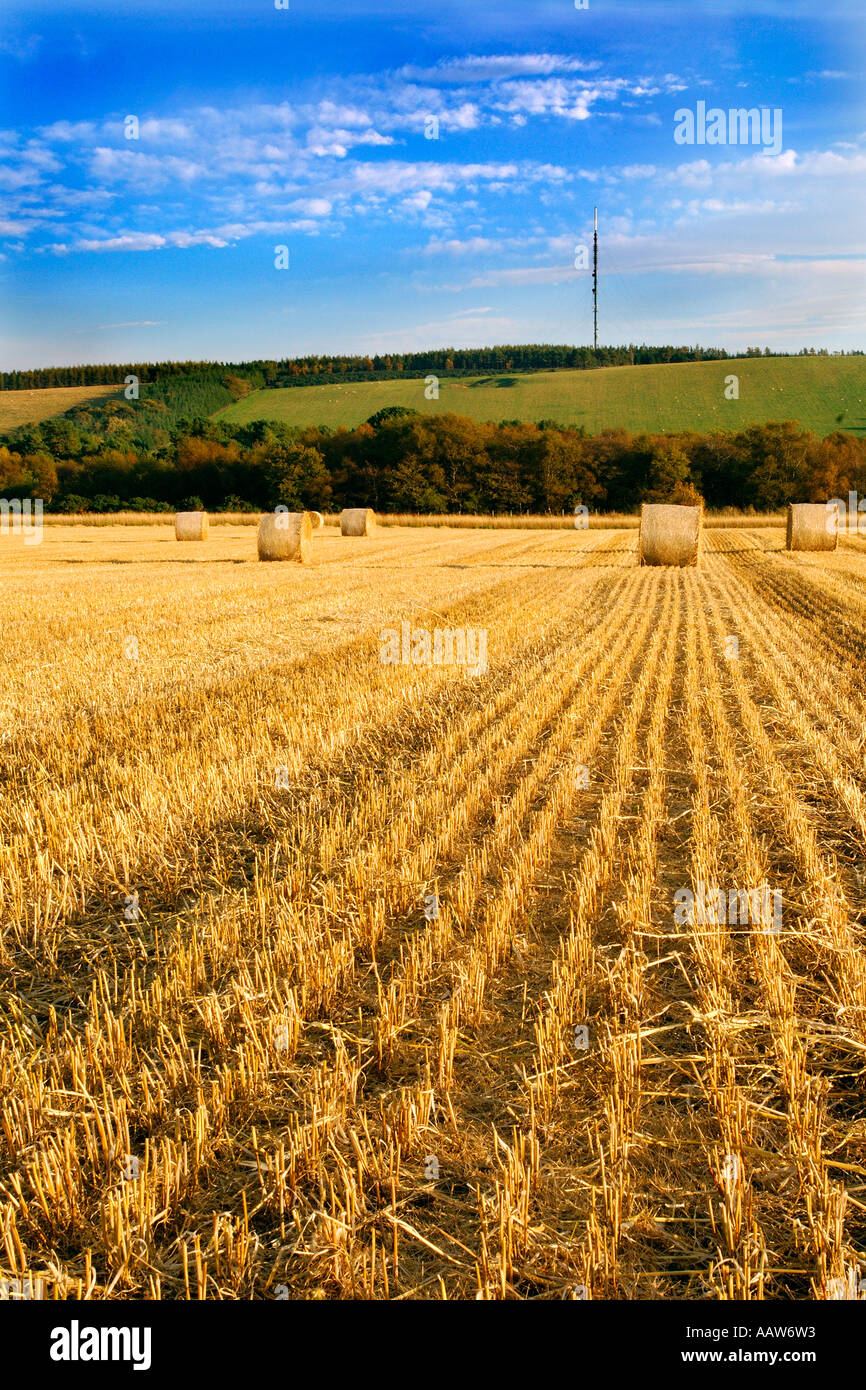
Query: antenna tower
{"x": 595, "y": 283}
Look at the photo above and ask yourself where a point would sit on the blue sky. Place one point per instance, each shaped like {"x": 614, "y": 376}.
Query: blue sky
{"x": 305, "y": 127}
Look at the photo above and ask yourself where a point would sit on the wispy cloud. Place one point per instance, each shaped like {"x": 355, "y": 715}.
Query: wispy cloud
{"x": 329, "y": 157}
{"x": 456, "y": 167}
{"x": 132, "y": 323}
{"x": 495, "y": 67}
{"x": 24, "y": 48}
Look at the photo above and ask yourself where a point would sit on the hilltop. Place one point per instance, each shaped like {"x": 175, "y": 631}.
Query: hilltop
{"x": 822, "y": 393}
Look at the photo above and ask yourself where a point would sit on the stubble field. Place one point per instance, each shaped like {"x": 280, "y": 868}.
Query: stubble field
{"x": 326, "y": 978}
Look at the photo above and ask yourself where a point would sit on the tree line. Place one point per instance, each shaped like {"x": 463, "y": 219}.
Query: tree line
{"x": 400, "y": 460}
{"x": 295, "y": 371}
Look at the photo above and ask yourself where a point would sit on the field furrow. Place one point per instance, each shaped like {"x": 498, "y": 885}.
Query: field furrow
{"x": 326, "y": 975}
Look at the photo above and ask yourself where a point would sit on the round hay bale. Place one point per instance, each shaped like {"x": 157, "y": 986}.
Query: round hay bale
{"x": 812, "y": 526}
{"x": 285, "y": 536}
{"x": 317, "y": 521}
{"x": 357, "y": 521}
{"x": 191, "y": 526}
{"x": 670, "y": 534}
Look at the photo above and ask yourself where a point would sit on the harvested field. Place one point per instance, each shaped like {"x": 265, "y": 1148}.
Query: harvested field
{"x": 323, "y": 977}
{"x": 44, "y": 403}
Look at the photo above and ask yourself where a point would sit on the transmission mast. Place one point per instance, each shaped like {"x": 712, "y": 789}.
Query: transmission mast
{"x": 595, "y": 283}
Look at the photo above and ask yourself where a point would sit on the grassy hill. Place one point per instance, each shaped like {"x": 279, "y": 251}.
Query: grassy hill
{"x": 816, "y": 391}
{"x": 32, "y": 407}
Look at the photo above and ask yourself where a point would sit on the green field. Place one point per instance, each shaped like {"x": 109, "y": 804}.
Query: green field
{"x": 822, "y": 393}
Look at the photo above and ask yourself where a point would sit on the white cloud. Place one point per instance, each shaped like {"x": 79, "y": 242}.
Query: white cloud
{"x": 466, "y": 116}
{"x": 130, "y": 241}
{"x": 139, "y": 323}
{"x": 418, "y": 202}
{"x": 68, "y": 131}
{"x": 338, "y": 142}
{"x": 313, "y": 207}
{"x": 489, "y": 68}
{"x": 518, "y": 275}
{"x": 10, "y": 226}
{"x": 455, "y": 247}
{"x": 152, "y": 129}
{"x": 455, "y": 330}
{"x": 142, "y": 241}
{"x": 136, "y": 167}
{"x": 312, "y": 165}
{"x": 24, "y": 177}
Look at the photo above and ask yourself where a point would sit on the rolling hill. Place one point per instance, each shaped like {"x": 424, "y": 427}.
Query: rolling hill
{"x": 32, "y": 407}
{"x": 822, "y": 393}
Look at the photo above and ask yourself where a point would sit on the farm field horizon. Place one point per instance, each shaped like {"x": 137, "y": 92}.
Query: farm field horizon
{"x": 335, "y": 976}
{"x": 815, "y": 391}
